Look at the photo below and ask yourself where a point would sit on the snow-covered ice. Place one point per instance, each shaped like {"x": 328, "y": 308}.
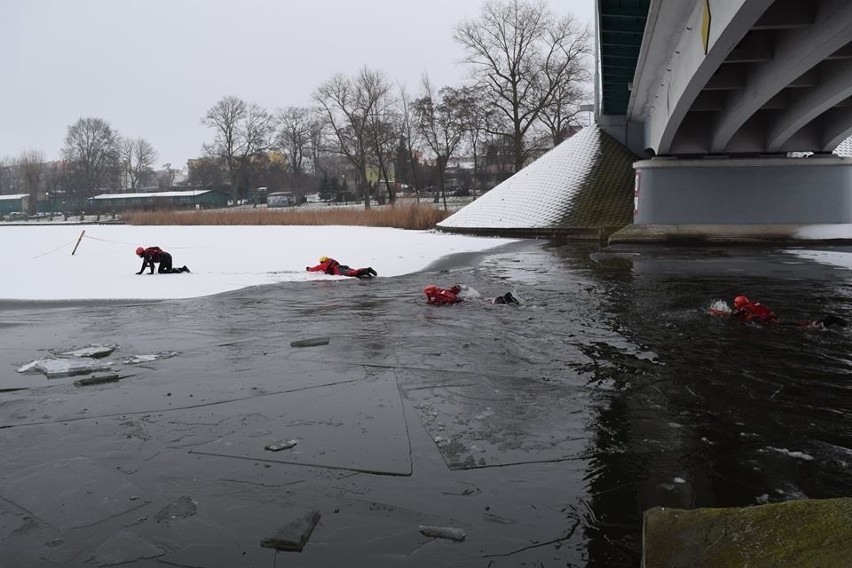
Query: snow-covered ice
{"x": 40, "y": 266}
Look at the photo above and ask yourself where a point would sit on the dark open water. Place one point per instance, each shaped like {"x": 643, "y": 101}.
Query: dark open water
{"x": 544, "y": 430}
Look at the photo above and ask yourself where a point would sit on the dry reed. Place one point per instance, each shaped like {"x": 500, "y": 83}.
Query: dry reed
{"x": 416, "y": 216}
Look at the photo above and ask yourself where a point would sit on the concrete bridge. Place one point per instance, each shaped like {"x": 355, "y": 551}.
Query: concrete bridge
{"x": 736, "y": 106}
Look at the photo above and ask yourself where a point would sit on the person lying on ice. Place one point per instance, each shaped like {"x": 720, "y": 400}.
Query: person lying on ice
{"x": 443, "y": 296}
{"x": 331, "y": 266}
{"x": 152, "y": 255}
{"x": 747, "y": 310}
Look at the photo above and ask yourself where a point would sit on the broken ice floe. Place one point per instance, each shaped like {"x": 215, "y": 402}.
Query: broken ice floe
{"x": 295, "y": 534}
{"x": 85, "y": 361}
{"x": 136, "y": 359}
{"x": 450, "y": 533}
{"x": 792, "y": 454}
{"x": 278, "y": 446}
{"x": 180, "y": 508}
{"x": 92, "y": 351}
{"x": 97, "y": 380}
{"x": 56, "y": 368}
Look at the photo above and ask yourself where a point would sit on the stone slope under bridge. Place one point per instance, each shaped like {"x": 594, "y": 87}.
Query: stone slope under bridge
{"x": 583, "y": 188}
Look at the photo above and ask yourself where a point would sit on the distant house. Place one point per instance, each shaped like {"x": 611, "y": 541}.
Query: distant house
{"x": 16, "y": 203}
{"x": 194, "y": 199}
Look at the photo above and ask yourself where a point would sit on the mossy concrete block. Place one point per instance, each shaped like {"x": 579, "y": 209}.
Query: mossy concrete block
{"x": 808, "y": 533}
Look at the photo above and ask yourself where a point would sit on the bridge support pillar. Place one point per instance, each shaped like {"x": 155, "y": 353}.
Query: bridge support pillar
{"x": 741, "y": 199}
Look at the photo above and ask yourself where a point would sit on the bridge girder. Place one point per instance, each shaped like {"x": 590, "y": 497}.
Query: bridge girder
{"x": 776, "y": 76}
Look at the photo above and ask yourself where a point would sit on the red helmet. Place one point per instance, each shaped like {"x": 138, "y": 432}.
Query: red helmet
{"x": 741, "y": 301}
{"x": 139, "y": 251}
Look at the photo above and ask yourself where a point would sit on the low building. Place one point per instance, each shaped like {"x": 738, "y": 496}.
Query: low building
{"x": 16, "y": 203}
{"x": 194, "y": 199}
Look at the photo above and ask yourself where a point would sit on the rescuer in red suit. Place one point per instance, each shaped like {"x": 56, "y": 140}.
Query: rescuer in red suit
{"x": 443, "y": 296}
{"x": 331, "y": 266}
{"x": 747, "y": 310}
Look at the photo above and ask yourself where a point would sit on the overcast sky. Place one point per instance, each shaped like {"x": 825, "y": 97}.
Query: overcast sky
{"x": 152, "y": 68}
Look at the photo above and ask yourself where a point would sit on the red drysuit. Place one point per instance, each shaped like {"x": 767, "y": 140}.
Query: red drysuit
{"x": 441, "y": 296}
{"x": 331, "y": 266}
{"x": 747, "y": 310}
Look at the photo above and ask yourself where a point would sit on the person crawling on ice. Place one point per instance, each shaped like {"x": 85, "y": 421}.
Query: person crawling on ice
{"x": 747, "y": 310}
{"x": 444, "y": 296}
{"x": 331, "y": 266}
{"x": 156, "y": 255}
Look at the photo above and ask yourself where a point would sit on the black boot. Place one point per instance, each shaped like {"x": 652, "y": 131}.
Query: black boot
{"x": 508, "y": 298}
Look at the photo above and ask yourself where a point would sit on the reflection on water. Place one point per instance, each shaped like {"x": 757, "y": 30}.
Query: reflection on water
{"x": 725, "y": 413}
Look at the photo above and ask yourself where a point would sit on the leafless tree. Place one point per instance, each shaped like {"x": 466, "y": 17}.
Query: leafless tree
{"x": 478, "y": 116}
{"x": 523, "y": 55}
{"x": 166, "y": 176}
{"x": 242, "y": 130}
{"x": 384, "y": 125}
{"x": 408, "y": 135}
{"x": 295, "y": 125}
{"x": 567, "y": 75}
{"x": 91, "y": 150}
{"x": 7, "y": 175}
{"x": 350, "y": 107}
{"x": 441, "y": 124}
{"x": 137, "y": 159}
{"x": 31, "y": 165}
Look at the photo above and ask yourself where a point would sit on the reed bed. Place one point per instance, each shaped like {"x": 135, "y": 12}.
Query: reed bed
{"x": 416, "y": 216}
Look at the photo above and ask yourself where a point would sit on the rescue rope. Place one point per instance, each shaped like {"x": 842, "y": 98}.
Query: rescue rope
{"x": 122, "y": 243}
{"x": 52, "y": 250}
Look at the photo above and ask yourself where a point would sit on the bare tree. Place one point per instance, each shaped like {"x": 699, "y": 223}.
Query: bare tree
{"x": 91, "y": 150}
{"x": 441, "y": 123}
{"x": 242, "y": 130}
{"x": 317, "y": 147}
{"x": 204, "y": 172}
{"x": 567, "y": 75}
{"x": 31, "y": 164}
{"x": 523, "y": 55}
{"x": 293, "y": 138}
{"x": 7, "y": 175}
{"x": 383, "y": 127}
{"x": 478, "y": 115}
{"x": 408, "y": 135}
{"x": 349, "y": 108}
{"x": 137, "y": 159}
{"x": 166, "y": 176}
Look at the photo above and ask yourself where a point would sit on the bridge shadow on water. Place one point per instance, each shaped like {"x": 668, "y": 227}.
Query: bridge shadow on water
{"x": 542, "y": 430}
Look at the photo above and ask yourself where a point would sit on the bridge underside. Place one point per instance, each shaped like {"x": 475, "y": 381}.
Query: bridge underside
{"x": 744, "y": 77}
{"x": 726, "y": 99}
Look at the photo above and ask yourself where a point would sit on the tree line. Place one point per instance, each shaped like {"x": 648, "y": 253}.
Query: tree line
{"x": 528, "y": 71}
